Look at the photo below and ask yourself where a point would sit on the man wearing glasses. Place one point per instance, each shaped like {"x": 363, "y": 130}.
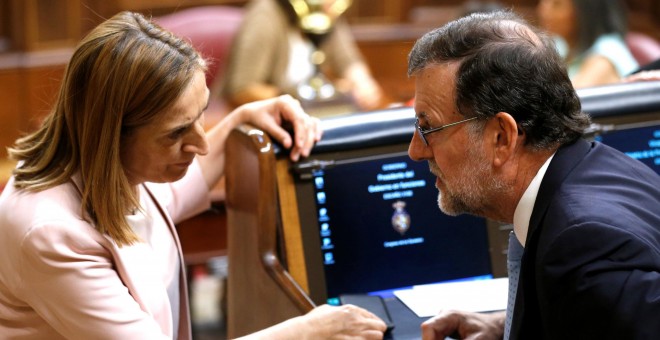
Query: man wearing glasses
{"x": 500, "y": 126}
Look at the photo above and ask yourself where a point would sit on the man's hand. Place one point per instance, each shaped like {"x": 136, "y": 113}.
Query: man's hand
{"x": 464, "y": 325}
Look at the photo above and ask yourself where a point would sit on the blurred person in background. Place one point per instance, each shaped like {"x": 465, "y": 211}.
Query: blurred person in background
{"x": 590, "y": 37}
{"x": 270, "y": 55}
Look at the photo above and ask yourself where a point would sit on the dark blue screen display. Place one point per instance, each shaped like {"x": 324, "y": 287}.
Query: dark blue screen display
{"x": 641, "y": 142}
{"x": 380, "y": 229}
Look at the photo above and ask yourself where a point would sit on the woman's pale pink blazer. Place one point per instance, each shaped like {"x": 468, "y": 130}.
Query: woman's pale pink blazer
{"x": 61, "y": 278}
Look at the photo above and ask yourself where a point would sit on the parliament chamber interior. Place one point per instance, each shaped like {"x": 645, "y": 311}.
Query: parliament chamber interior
{"x": 277, "y": 235}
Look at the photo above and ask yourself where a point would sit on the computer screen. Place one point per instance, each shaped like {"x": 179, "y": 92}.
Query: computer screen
{"x": 377, "y": 227}
{"x": 639, "y": 140}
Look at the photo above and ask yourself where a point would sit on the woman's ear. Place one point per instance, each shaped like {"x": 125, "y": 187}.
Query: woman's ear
{"x": 504, "y": 137}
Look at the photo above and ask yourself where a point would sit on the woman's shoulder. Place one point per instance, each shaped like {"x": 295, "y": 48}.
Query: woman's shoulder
{"x": 21, "y": 210}
{"x": 613, "y": 47}
{"x": 610, "y": 40}
{"x": 35, "y": 224}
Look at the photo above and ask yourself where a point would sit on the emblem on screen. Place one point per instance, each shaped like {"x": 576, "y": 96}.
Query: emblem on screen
{"x": 400, "y": 218}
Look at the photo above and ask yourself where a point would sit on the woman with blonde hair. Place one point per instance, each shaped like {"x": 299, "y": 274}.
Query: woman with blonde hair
{"x": 88, "y": 248}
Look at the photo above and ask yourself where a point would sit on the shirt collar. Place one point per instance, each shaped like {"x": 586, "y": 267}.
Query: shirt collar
{"x": 526, "y": 204}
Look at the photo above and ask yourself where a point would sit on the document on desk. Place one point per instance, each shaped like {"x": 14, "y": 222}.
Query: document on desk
{"x": 475, "y": 296}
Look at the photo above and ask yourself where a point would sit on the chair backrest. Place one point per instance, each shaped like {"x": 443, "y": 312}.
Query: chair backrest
{"x": 644, "y": 48}
{"x": 261, "y": 293}
{"x": 210, "y": 30}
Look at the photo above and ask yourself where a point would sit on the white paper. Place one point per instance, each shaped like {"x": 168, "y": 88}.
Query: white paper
{"x": 473, "y": 296}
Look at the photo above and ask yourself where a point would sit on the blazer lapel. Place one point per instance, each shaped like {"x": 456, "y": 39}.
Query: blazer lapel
{"x": 122, "y": 258}
{"x": 185, "y": 331}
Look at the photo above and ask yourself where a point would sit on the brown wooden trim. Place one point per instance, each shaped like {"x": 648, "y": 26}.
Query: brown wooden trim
{"x": 291, "y": 229}
{"x": 20, "y": 60}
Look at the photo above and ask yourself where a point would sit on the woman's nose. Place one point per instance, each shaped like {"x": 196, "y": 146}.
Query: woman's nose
{"x": 197, "y": 143}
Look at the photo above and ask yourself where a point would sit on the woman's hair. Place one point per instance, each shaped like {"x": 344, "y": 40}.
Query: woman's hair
{"x": 597, "y": 17}
{"x": 122, "y": 76}
{"x": 506, "y": 65}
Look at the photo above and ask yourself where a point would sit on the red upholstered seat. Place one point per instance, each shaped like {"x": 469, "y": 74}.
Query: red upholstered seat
{"x": 644, "y": 48}
{"x": 210, "y": 29}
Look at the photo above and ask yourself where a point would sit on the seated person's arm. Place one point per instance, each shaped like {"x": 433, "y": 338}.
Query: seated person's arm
{"x": 596, "y": 70}
{"x": 346, "y": 61}
{"x": 358, "y": 81}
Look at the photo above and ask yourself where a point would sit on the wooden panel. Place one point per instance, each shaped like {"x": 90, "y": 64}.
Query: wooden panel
{"x": 5, "y": 27}
{"x": 43, "y": 24}
{"x": 292, "y": 236}
{"x": 645, "y": 17}
{"x": 159, "y": 7}
{"x": 41, "y": 87}
{"x": 10, "y": 97}
{"x": 388, "y": 61}
{"x": 28, "y": 86}
{"x": 29, "y": 83}
{"x": 383, "y": 11}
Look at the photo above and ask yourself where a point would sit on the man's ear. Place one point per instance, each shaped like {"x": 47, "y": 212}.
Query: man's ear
{"x": 504, "y": 137}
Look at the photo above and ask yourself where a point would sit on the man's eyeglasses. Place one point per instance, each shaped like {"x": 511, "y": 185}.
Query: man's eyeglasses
{"x": 422, "y": 133}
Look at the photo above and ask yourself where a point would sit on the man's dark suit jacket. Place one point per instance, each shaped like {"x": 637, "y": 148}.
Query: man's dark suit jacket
{"x": 591, "y": 266}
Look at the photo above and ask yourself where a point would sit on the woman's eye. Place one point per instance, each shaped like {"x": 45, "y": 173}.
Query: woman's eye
{"x": 176, "y": 134}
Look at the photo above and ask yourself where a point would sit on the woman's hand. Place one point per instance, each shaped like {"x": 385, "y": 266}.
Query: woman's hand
{"x": 464, "y": 325}
{"x": 326, "y": 322}
{"x": 343, "y": 322}
{"x": 272, "y": 114}
{"x": 650, "y": 75}
{"x": 268, "y": 115}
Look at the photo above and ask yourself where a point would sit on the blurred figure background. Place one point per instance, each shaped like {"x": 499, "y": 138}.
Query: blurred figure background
{"x": 271, "y": 55}
{"x": 481, "y": 6}
{"x": 590, "y": 36}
